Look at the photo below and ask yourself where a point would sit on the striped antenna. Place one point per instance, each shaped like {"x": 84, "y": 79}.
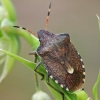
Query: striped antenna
{"x": 48, "y": 17}
{"x": 26, "y": 30}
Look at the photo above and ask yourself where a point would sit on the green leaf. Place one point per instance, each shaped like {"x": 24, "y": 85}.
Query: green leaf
{"x": 6, "y": 23}
{"x": 7, "y": 27}
{"x": 0, "y": 33}
{"x": 31, "y": 65}
{"x": 95, "y": 92}
{"x": 3, "y": 13}
{"x": 12, "y": 45}
{"x": 33, "y": 41}
{"x": 7, "y": 4}
{"x": 27, "y": 63}
{"x": 99, "y": 26}
{"x": 81, "y": 95}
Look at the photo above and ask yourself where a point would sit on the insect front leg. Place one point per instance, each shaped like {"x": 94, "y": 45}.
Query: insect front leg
{"x": 38, "y": 65}
{"x": 33, "y": 53}
{"x": 48, "y": 82}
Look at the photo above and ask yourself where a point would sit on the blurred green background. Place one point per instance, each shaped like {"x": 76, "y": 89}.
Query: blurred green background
{"x": 76, "y": 17}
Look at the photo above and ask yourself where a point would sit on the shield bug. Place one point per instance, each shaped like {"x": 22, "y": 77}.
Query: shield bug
{"x": 60, "y": 58}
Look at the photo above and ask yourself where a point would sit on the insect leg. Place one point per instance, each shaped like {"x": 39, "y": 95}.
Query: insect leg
{"x": 48, "y": 82}
{"x": 33, "y": 53}
{"x": 37, "y": 71}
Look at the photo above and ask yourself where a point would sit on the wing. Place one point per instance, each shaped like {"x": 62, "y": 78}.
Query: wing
{"x": 55, "y": 70}
{"x": 65, "y": 67}
{"x": 75, "y": 68}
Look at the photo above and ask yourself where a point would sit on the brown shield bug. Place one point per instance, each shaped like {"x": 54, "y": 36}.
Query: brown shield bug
{"x": 60, "y": 58}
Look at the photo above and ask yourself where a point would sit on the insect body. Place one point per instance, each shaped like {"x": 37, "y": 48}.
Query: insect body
{"x": 61, "y": 60}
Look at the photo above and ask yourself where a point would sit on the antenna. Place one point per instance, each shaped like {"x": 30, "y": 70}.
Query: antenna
{"x": 26, "y": 30}
{"x": 46, "y": 26}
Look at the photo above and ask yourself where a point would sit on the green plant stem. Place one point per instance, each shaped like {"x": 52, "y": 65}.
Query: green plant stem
{"x": 37, "y": 82}
{"x": 95, "y": 91}
{"x": 31, "y": 39}
{"x": 99, "y": 26}
{"x": 36, "y": 77}
{"x": 68, "y": 95}
{"x": 1, "y": 34}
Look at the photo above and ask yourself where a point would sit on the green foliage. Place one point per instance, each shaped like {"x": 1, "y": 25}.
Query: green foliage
{"x": 95, "y": 92}
{"x": 12, "y": 47}
{"x": 7, "y": 41}
{"x": 95, "y": 87}
{"x": 79, "y": 95}
{"x": 99, "y": 26}
{"x": 8, "y": 6}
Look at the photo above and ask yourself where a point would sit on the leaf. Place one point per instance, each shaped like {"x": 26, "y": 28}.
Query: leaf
{"x": 81, "y": 95}
{"x": 7, "y": 27}
{"x": 33, "y": 41}
{"x": 3, "y": 13}
{"x": 31, "y": 65}
{"x": 7, "y": 4}
{"x": 95, "y": 92}
{"x": 5, "y": 23}
{"x": 12, "y": 45}
{"x": 27, "y": 63}
{"x": 0, "y": 34}
{"x": 99, "y": 26}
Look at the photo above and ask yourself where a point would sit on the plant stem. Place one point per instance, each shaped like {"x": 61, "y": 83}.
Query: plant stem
{"x": 36, "y": 76}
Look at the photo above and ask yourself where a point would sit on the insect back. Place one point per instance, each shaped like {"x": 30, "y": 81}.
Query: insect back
{"x": 60, "y": 58}
{"x": 62, "y": 61}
